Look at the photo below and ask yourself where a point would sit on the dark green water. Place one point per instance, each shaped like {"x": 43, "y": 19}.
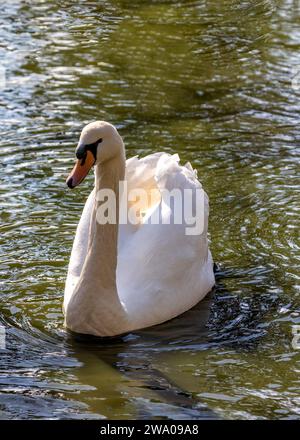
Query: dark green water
{"x": 212, "y": 81}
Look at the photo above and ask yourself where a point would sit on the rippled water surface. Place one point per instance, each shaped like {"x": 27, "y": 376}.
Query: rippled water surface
{"x": 215, "y": 81}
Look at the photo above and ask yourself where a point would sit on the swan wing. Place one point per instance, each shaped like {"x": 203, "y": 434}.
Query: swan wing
{"x": 163, "y": 271}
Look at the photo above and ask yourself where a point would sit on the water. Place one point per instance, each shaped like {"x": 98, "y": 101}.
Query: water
{"x": 211, "y": 80}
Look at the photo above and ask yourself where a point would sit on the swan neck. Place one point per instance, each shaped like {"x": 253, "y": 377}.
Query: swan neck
{"x": 104, "y": 240}
{"x": 95, "y": 306}
{"x": 109, "y": 173}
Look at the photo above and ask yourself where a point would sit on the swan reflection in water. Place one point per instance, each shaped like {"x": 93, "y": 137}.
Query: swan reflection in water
{"x": 135, "y": 365}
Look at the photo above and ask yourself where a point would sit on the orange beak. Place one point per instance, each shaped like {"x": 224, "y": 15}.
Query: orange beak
{"x": 80, "y": 170}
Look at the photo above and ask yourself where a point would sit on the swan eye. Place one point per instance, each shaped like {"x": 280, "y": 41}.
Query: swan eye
{"x": 93, "y": 147}
{"x": 82, "y": 149}
{"x": 95, "y": 144}
{"x": 80, "y": 152}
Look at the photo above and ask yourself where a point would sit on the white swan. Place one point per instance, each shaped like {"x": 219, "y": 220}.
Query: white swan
{"x": 124, "y": 277}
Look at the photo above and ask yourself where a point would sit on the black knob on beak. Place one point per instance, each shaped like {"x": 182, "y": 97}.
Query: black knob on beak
{"x": 80, "y": 151}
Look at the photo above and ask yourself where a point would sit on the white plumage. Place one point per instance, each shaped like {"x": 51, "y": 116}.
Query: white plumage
{"x": 161, "y": 271}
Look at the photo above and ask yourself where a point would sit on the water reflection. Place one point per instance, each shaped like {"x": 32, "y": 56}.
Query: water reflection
{"x": 125, "y": 368}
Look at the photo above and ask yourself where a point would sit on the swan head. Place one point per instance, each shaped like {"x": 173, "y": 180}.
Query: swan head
{"x": 99, "y": 142}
